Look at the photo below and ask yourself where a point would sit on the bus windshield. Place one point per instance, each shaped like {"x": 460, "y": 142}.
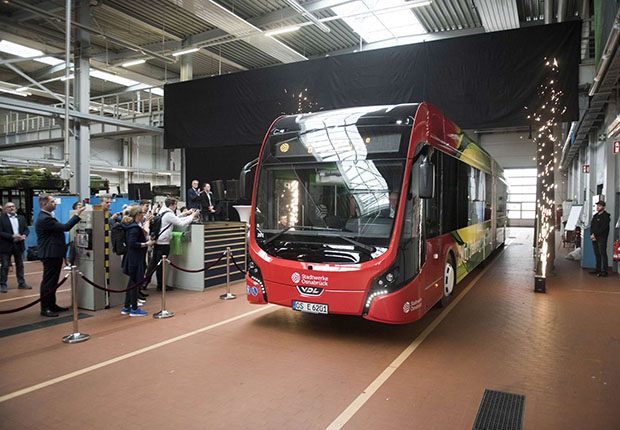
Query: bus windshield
{"x": 330, "y": 194}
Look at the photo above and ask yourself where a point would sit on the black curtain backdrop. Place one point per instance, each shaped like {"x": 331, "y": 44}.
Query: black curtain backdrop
{"x": 478, "y": 81}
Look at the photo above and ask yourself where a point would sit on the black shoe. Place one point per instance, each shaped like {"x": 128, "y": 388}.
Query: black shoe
{"x": 57, "y": 308}
{"x": 3, "y": 289}
{"x": 24, "y": 287}
{"x": 48, "y": 313}
{"x": 602, "y": 275}
{"x": 593, "y": 272}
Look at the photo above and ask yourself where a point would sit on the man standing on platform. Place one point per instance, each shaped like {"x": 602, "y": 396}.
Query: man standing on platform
{"x": 599, "y": 229}
{"x": 193, "y": 196}
{"x": 13, "y": 232}
{"x": 52, "y": 249}
{"x": 206, "y": 203}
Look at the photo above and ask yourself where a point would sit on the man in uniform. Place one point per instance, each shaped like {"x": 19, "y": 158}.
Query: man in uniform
{"x": 599, "y": 229}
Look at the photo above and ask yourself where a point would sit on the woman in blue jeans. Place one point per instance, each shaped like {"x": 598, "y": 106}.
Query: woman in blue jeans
{"x": 134, "y": 261}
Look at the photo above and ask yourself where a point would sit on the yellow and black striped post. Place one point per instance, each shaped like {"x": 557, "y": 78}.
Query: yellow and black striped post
{"x": 106, "y": 254}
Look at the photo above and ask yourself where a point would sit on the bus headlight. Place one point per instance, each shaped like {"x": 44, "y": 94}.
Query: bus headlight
{"x": 386, "y": 283}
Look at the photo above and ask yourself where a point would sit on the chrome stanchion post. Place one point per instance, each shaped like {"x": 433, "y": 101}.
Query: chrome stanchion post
{"x": 76, "y": 336}
{"x": 163, "y": 313}
{"x": 228, "y": 295}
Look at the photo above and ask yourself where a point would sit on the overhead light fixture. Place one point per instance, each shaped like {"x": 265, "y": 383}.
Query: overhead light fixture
{"x": 15, "y": 92}
{"x": 25, "y": 52}
{"x": 64, "y": 78}
{"x": 134, "y": 63}
{"x": 282, "y": 30}
{"x": 113, "y": 78}
{"x": 185, "y": 51}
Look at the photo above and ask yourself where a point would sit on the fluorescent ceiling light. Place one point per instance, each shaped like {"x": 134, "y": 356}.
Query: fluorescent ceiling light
{"x": 134, "y": 63}
{"x": 64, "y": 78}
{"x": 185, "y": 51}
{"x": 281, "y": 30}
{"x": 15, "y": 92}
{"x": 112, "y": 78}
{"x": 158, "y": 91}
{"x": 26, "y": 52}
{"x": 374, "y": 24}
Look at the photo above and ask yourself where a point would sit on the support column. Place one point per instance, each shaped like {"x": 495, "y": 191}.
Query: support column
{"x": 80, "y": 157}
{"x": 187, "y": 74}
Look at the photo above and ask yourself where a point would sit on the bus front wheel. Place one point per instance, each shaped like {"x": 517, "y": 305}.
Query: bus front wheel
{"x": 449, "y": 281}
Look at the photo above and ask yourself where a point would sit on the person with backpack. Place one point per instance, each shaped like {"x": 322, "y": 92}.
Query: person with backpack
{"x": 134, "y": 260}
{"x": 161, "y": 231}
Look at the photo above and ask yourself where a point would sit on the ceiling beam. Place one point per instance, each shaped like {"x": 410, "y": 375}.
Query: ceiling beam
{"x": 23, "y": 16}
{"x": 262, "y": 21}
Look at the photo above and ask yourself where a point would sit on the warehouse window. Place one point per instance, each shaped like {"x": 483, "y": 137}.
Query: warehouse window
{"x": 521, "y": 195}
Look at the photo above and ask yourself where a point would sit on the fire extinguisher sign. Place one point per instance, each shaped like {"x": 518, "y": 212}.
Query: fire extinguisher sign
{"x": 617, "y": 250}
{"x": 585, "y": 168}
{"x": 616, "y": 146}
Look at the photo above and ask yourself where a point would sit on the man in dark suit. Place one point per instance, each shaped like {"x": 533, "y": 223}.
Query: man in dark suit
{"x": 207, "y": 205}
{"x": 13, "y": 232}
{"x": 52, "y": 249}
{"x": 193, "y": 196}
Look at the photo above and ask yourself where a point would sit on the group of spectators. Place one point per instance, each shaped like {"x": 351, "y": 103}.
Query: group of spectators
{"x": 135, "y": 220}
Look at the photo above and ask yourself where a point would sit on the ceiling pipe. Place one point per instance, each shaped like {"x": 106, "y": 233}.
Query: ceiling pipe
{"x": 304, "y": 12}
{"x": 548, "y": 11}
{"x": 561, "y": 10}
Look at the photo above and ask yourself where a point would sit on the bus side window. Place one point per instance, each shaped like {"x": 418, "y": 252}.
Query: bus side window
{"x": 449, "y": 199}
{"x": 431, "y": 206}
{"x": 410, "y": 239}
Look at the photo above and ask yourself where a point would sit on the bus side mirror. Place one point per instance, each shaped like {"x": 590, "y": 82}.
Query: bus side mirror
{"x": 246, "y": 180}
{"x": 427, "y": 180}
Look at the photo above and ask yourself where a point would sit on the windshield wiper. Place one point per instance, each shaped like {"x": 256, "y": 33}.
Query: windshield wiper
{"x": 277, "y": 235}
{"x": 367, "y": 248}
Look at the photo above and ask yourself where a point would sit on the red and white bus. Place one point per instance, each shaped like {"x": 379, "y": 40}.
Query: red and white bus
{"x": 374, "y": 211}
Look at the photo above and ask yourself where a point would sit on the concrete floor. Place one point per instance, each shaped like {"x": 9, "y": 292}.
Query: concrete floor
{"x": 231, "y": 365}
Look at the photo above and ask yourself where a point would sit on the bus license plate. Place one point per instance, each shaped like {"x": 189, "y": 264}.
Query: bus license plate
{"x": 313, "y": 308}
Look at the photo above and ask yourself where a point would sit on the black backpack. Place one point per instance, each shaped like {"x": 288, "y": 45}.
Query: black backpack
{"x": 155, "y": 226}
{"x": 117, "y": 237}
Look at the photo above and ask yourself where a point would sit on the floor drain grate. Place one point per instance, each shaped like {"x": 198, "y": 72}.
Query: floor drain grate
{"x": 500, "y": 411}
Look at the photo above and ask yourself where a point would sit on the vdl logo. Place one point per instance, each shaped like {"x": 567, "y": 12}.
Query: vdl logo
{"x": 295, "y": 277}
{"x": 309, "y": 291}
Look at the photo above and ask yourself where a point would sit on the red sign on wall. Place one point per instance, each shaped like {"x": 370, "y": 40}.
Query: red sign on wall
{"x": 617, "y": 147}
{"x": 585, "y": 168}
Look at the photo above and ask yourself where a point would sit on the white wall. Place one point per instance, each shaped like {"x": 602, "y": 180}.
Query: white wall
{"x": 511, "y": 150}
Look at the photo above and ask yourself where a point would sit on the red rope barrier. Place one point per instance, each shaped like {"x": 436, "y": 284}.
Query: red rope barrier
{"x": 50, "y": 292}
{"x": 99, "y": 287}
{"x": 232, "y": 257}
{"x": 199, "y": 270}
